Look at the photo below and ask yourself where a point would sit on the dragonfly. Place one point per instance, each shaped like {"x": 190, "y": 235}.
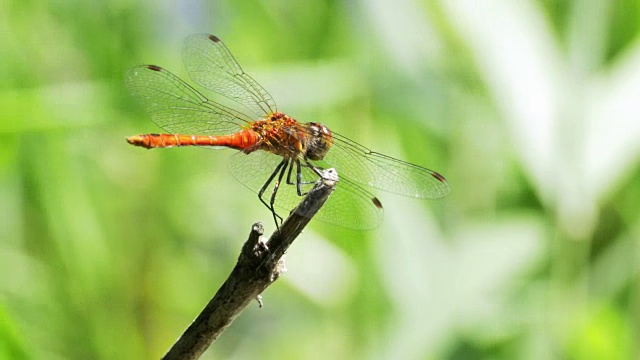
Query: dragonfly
{"x": 278, "y": 157}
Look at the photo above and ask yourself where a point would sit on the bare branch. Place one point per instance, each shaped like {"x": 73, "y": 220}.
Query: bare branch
{"x": 259, "y": 264}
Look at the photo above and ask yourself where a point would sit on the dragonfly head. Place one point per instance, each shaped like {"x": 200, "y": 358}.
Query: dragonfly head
{"x": 320, "y": 141}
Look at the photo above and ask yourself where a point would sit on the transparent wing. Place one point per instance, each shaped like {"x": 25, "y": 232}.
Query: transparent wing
{"x": 176, "y": 107}
{"x": 359, "y": 164}
{"x": 211, "y": 65}
{"x": 349, "y": 206}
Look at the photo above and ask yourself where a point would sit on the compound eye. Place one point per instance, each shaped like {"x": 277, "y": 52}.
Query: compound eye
{"x": 315, "y": 130}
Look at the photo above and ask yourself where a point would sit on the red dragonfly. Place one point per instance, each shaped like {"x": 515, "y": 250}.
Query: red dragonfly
{"x": 273, "y": 146}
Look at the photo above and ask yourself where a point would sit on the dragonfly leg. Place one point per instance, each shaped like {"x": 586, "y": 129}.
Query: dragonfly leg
{"x": 298, "y": 183}
{"x": 299, "y": 178}
{"x": 274, "y": 193}
{"x": 278, "y": 170}
{"x": 289, "y": 181}
{"x": 315, "y": 169}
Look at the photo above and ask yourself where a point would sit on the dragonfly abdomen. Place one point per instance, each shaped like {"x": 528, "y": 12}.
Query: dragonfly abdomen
{"x": 241, "y": 140}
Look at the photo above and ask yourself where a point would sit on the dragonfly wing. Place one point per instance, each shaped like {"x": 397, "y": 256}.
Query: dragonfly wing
{"x": 211, "y": 65}
{"x": 176, "y": 107}
{"x": 349, "y": 206}
{"x": 357, "y": 163}
{"x": 352, "y": 207}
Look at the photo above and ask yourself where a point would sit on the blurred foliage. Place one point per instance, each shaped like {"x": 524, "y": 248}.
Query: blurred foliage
{"x": 529, "y": 108}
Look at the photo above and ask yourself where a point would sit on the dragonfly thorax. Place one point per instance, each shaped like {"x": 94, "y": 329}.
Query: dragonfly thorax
{"x": 282, "y": 135}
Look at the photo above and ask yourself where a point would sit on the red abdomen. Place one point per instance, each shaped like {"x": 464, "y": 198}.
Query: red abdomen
{"x": 241, "y": 140}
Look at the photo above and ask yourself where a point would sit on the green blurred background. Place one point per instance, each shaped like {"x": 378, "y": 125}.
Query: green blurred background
{"x": 529, "y": 108}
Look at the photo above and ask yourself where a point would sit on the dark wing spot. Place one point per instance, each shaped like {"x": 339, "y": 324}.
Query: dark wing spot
{"x": 376, "y": 202}
{"x": 438, "y": 176}
{"x": 154, "y": 67}
{"x": 214, "y": 38}
{"x": 154, "y": 135}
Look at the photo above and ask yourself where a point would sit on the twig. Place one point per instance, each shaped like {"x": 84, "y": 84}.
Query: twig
{"x": 259, "y": 264}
